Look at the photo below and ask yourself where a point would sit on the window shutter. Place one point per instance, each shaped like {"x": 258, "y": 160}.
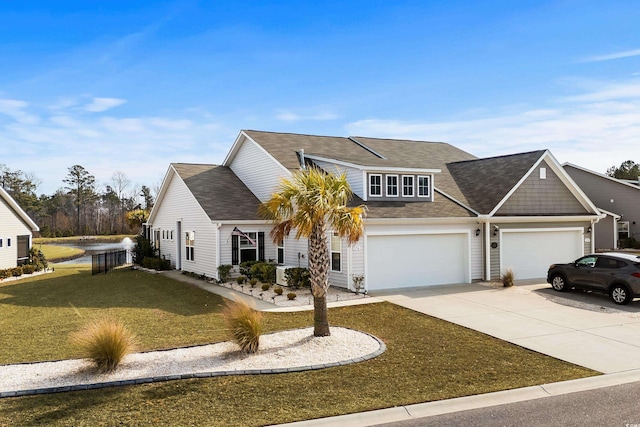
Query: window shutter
{"x": 234, "y": 250}
{"x": 261, "y": 245}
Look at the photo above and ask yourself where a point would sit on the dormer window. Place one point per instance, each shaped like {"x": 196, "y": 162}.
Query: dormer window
{"x": 392, "y": 185}
{"x": 407, "y": 186}
{"x": 424, "y": 186}
{"x": 375, "y": 185}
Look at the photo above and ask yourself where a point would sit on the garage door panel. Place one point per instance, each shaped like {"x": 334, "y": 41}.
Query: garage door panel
{"x": 530, "y": 253}
{"x": 417, "y": 260}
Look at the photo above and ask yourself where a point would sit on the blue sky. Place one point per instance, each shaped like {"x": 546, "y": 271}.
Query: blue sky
{"x": 133, "y": 86}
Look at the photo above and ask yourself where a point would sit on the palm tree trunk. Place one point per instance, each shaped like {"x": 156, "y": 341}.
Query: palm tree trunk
{"x": 320, "y": 318}
{"x": 319, "y": 272}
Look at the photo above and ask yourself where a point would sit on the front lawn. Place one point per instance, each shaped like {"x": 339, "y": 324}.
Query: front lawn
{"x": 426, "y": 358}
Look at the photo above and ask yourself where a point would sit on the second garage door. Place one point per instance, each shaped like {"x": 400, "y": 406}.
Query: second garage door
{"x": 530, "y": 252}
{"x": 401, "y": 261}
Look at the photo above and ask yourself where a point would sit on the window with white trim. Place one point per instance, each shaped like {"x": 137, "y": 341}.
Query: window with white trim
{"x": 190, "y": 245}
{"x": 424, "y": 186}
{"x": 623, "y": 230}
{"x": 281, "y": 251}
{"x": 336, "y": 252}
{"x": 392, "y": 185}
{"x": 407, "y": 185}
{"x": 375, "y": 185}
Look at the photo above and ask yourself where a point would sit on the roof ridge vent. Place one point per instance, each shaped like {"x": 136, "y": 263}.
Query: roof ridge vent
{"x": 372, "y": 151}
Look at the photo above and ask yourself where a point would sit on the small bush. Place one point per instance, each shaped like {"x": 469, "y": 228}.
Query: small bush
{"x": 265, "y": 286}
{"x": 240, "y": 279}
{"x": 507, "y": 278}
{"x": 292, "y": 295}
{"x": 245, "y": 268}
{"x": 28, "y": 269}
{"x": 37, "y": 259}
{"x": 17, "y": 271}
{"x": 244, "y": 324}
{"x": 156, "y": 263}
{"x": 106, "y": 342}
{"x": 4, "y": 274}
{"x": 297, "y": 277}
{"x": 264, "y": 271}
{"x": 224, "y": 271}
{"x": 253, "y": 282}
{"x": 278, "y": 291}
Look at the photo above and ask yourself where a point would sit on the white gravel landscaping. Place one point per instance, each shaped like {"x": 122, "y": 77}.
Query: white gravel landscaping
{"x": 281, "y": 350}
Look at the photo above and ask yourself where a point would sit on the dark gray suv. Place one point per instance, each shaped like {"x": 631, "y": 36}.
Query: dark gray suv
{"x": 614, "y": 273}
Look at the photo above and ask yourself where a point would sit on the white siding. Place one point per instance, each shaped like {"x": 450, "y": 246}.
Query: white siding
{"x": 270, "y": 249}
{"x": 296, "y": 251}
{"x": 180, "y": 205}
{"x": 354, "y": 176}
{"x": 259, "y": 171}
{"x": 11, "y": 226}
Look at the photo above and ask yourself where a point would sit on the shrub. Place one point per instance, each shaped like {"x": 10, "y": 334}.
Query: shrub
{"x": 292, "y": 295}
{"x": 37, "y": 259}
{"x": 278, "y": 291}
{"x": 240, "y": 279}
{"x": 156, "y": 263}
{"x": 143, "y": 249}
{"x": 297, "y": 277}
{"x": 253, "y": 282}
{"x": 106, "y": 342}
{"x": 28, "y": 268}
{"x": 244, "y": 324}
{"x": 264, "y": 271}
{"x": 245, "y": 268}
{"x": 16, "y": 271}
{"x": 4, "y": 274}
{"x": 224, "y": 271}
{"x": 265, "y": 286}
{"x": 507, "y": 278}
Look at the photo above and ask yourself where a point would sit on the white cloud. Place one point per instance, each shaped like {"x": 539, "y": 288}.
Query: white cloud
{"x": 15, "y": 109}
{"x": 289, "y": 116}
{"x": 610, "y": 56}
{"x": 98, "y": 105}
{"x": 595, "y": 135}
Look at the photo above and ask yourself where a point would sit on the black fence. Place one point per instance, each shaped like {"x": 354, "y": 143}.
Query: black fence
{"x": 102, "y": 263}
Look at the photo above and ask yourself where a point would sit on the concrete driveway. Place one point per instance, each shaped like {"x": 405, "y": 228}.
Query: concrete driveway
{"x": 585, "y": 330}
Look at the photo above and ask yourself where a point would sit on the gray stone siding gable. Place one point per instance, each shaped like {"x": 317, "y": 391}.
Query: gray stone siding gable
{"x": 219, "y": 192}
{"x": 536, "y": 196}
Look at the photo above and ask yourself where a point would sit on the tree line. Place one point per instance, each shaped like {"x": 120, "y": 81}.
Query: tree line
{"x": 82, "y": 206}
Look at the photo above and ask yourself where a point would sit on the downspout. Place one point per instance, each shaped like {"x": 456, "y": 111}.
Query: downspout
{"x": 218, "y": 245}
{"x": 487, "y": 251}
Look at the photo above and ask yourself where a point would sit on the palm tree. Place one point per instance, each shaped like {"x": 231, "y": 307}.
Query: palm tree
{"x": 311, "y": 201}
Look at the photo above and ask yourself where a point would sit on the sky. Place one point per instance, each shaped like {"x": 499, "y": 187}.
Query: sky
{"x": 132, "y": 86}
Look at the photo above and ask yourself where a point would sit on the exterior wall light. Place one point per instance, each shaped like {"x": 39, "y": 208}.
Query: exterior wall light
{"x": 495, "y": 230}
{"x": 477, "y": 232}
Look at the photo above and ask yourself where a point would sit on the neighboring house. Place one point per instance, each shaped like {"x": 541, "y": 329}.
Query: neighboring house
{"x": 435, "y": 214}
{"x": 618, "y": 199}
{"x": 16, "y": 230}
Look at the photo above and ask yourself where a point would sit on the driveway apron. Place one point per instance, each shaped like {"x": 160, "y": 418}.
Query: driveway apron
{"x": 607, "y": 341}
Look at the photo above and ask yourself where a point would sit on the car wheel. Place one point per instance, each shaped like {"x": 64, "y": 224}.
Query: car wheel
{"x": 620, "y": 294}
{"x": 558, "y": 283}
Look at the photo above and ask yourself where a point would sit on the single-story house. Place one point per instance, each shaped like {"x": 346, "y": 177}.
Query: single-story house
{"x": 16, "y": 232}
{"x": 435, "y": 214}
{"x": 618, "y": 199}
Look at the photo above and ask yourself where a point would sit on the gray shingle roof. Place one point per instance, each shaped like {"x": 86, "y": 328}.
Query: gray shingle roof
{"x": 219, "y": 192}
{"x": 485, "y": 182}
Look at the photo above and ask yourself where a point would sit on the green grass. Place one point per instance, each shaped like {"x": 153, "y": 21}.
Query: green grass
{"x": 111, "y": 238}
{"x": 55, "y": 252}
{"x": 426, "y": 359}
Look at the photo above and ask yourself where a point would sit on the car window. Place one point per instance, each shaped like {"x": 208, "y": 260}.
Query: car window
{"x": 588, "y": 261}
{"x": 608, "y": 263}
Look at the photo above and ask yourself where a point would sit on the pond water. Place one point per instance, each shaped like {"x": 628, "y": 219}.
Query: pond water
{"x": 95, "y": 247}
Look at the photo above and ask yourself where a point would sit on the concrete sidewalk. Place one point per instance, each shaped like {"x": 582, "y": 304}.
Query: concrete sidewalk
{"x": 605, "y": 342}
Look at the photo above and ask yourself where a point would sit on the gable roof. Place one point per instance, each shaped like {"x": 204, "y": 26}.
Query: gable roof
{"x": 500, "y": 174}
{"x": 18, "y": 210}
{"x": 219, "y": 191}
{"x": 627, "y": 183}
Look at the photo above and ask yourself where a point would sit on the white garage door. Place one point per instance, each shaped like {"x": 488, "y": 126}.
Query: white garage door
{"x": 530, "y": 252}
{"x": 402, "y": 261}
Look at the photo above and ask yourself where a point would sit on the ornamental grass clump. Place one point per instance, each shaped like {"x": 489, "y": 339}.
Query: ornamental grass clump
{"x": 244, "y": 324}
{"x": 106, "y": 342}
{"x": 508, "y": 278}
